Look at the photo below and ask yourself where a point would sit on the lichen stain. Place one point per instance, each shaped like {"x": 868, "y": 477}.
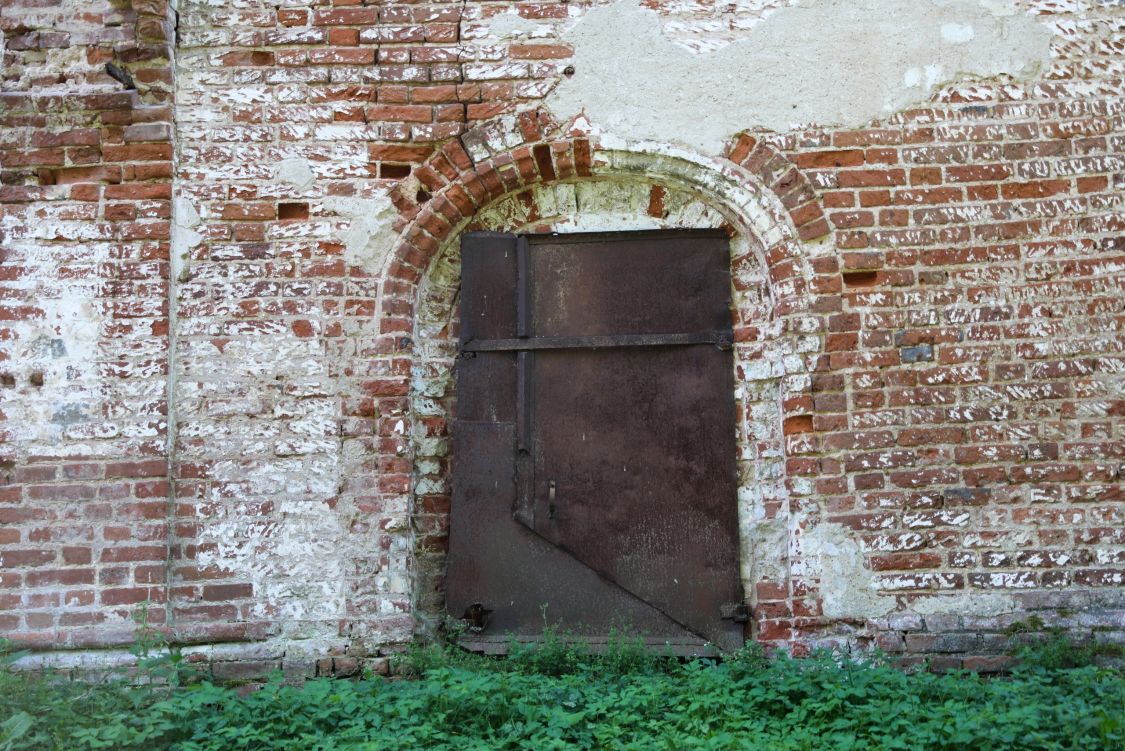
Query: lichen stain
{"x": 823, "y": 62}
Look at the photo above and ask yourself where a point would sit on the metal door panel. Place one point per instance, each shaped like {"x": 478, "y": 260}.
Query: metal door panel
{"x": 594, "y": 441}
{"x": 509, "y": 570}
{"x": 488, "y": 273}
{"x": 629, "y": 283}
{"x": 634, "y": 476}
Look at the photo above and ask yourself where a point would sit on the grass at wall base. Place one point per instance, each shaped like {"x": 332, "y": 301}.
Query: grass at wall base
{"x": 556, "y": 695}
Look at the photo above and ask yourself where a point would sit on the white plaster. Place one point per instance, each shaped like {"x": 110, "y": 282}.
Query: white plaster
{"x": 370, "y": 234}
{"x": 293, "y": 559}
{"x": 764, "y": 542}
{"x": 825, "y": 62}
{"x": 600, "y": 206}
{"x": 185, "y": 236}
{"x": 957, "y": 33}
{"x": 512, "y": 25}
{"x": 61, "y": 344}
{"x": 296, "y": 172}
{"x": 831, "y": 553}
{"x": 981, "y": 604}
{"x": 272, "y": 518}
{"x": 59, "y": 660}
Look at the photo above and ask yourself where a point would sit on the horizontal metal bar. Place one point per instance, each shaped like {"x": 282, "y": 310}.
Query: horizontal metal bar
{"x": 718, "y": 338}
{"x": 490, "y": 644}
{"x": 555, "y": 238}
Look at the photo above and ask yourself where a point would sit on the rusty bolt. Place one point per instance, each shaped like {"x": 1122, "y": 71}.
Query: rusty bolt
{"x": 36, "y": 379}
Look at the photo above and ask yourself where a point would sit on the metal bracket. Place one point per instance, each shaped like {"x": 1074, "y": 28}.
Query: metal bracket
{"x": 734, "y": 611}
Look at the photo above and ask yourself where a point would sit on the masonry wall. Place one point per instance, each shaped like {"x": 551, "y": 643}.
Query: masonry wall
{"x": 86, "y": 170}
{"x": 229, "y": 301}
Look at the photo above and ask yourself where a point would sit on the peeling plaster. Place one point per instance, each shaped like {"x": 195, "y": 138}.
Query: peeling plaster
{"x": 371, "y": 235}
{"x": 296, "y": 172}
{"x": 298, "y": 555}
{"x": 514, "y": 26}
{"x": 823, "y": 62}
{"x": 60, "y": 344}
{"x": 981, "y": 604}
{"x": 293, "y": 559}
{"x": 185, "y": 220}
{"x": 830, "y": 552}
{"x": 69, "y": 16}
{"x": 599, "y": 206}
{"x": 764, "y": 545}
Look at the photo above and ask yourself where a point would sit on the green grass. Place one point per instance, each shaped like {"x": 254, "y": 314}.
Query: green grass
{"x": 558, "y": 696}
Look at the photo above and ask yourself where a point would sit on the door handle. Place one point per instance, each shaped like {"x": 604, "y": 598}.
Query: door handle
{"x": 551, "y": 487}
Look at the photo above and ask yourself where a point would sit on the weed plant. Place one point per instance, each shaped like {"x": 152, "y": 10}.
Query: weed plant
{"x": 558, "y": 695}
{"x": 47, "y": 710}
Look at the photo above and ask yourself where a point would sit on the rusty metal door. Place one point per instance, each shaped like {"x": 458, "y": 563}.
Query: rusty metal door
{"x": 594, "y": 441}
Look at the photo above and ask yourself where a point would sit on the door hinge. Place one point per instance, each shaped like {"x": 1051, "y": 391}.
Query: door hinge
{"x": 734, "y": 611}
{"x": 476, "y": 618}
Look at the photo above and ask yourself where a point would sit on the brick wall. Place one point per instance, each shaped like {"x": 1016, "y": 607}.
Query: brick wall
{"x": 966, "y": 408}
{"x": 930, "y": 363}
{"x": 86, "y": 169}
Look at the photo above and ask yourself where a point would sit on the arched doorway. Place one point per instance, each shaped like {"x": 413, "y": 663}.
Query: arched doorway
{"x": 635, "y": 187}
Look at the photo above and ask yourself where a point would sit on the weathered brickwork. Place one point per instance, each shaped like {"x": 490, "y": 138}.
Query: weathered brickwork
{"x": 229, "y": 291}
{"x": 86, "y": 170}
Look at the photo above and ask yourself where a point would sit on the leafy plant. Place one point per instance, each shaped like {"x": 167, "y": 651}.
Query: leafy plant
{"x": 558, "y": 695}
{"x": 1057, "y": 651}
{"x": 554, "y": 654}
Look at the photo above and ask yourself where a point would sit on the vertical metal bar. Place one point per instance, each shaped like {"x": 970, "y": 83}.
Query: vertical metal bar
{"x": 523, "y": 304}
{"x": 524, "y": 509}
{"x": 523, "y": 395}
{"x": 523, "y": 330}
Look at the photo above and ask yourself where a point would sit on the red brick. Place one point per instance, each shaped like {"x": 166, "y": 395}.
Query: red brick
{"x": 22, "y": 558}
{"x": 1034, "y": 189}
{"x": 346, "y": 17}
{"x": 539, "y": 51}
{"x": 825, "y": 159}
{"x": 867, "y": 178}
{"x": 222, "y": 592}
{"x": 121, "y": 554}
{"x": 977, "y": 173}
{"x": 147, "y": 468}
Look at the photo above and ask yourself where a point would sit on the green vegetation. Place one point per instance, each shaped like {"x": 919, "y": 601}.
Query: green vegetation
{"x": 556, "y": 695}
{"x": 1052, "y": 649}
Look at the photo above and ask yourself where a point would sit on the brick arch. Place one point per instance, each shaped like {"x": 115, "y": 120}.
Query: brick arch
{"x": 770, "y": 209}
{"x": 504, "y": 156}
{"x": 785, "y": 180}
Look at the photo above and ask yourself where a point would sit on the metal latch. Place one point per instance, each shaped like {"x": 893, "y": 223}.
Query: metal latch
{"x": 734, "y": 611}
